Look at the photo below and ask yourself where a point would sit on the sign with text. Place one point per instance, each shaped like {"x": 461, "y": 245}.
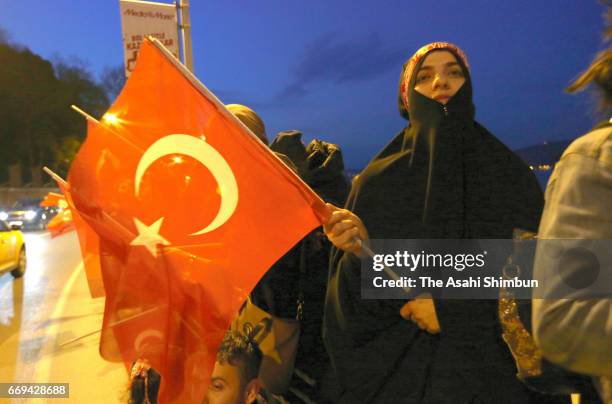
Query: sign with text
{"x": 141, "y": 18}
{"x": 488, "y": 269}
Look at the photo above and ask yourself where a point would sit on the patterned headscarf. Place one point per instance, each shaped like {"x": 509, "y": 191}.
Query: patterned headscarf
{"x": 414, "y": 60}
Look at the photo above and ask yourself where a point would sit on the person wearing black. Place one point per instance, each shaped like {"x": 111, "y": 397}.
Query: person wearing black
{"x": 443, "y": 177}
{"x": 294, "y": 287}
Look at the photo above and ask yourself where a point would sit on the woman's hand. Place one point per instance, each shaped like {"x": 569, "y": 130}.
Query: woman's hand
{"x": 422, "y": 312}
{"x": 345, "y": 230}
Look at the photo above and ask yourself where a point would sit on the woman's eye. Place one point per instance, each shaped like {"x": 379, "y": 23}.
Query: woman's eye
{"x": 456, "y": 73}
{"x": 423, "y": 78}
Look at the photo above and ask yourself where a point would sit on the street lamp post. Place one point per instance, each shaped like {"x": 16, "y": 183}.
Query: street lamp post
{"x": 185, "y": 26}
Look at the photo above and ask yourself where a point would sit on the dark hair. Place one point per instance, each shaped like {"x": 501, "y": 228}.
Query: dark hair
{"x": 137, "y": 388}
{"x": 239, "y": 349}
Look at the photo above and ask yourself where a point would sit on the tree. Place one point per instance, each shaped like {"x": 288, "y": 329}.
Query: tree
{"x": 35, "y": 108}
{"x": 113, "y": 80}
{"x": 65, "y": 152}
{"x": 79, "y": 88}
{"x": 29, "y": 86}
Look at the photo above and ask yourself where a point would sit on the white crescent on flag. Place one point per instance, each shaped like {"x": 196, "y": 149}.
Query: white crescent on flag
{"x": 199, "y": 149}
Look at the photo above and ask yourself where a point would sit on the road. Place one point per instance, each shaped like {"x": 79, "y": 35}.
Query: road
{"x": 41, "y": 313}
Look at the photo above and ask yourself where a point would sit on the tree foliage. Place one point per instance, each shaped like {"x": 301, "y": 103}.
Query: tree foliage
{"x": 113, "y": 80}
{"x": 37, "y": 122}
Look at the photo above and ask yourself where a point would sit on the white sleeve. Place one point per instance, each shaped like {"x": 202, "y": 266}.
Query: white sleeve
{"x": 575, "y": 333}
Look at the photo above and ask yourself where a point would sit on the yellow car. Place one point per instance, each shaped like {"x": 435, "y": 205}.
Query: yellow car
{"x": 12, "y": 250}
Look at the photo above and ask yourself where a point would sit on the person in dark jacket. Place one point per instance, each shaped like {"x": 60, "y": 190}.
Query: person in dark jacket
{"x": 294, "y": 287}
{"x": 442, "y": 177}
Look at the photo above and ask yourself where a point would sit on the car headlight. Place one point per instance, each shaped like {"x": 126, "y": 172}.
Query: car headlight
{"x": 3, "y": 215}
{"x": 30, "y": 214}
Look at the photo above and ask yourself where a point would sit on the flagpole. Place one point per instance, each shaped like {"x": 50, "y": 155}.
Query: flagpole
{"x": 108, "y": 127}
{"x": 391, "y": 273}
{"x": 113, "y": 324}
{"x": 185, "y": 26}
{"x": 56, "y": 177}
{"x": 85, "y": 114}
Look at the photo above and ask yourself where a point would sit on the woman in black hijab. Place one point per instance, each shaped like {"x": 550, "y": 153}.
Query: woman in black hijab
{"x": 442, "y": 177}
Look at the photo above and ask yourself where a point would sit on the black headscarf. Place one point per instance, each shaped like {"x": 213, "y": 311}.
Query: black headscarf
{"x": 443, "y": 176}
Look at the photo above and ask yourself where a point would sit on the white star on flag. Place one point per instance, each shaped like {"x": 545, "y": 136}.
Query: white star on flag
{"x": 149, "y": 236}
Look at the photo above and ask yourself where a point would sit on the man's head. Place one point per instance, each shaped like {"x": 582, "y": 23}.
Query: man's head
{"x": 234, "y": 379}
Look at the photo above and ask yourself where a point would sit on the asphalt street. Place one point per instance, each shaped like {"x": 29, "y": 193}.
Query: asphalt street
{"x": 49, "y": 324}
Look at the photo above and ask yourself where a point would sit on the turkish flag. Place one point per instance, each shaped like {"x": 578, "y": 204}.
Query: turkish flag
{"x": 53, "y": 199}
{"x": 62, "y": 222}
{"x": 190, "y": 209}
{"x": 67, "y": 220}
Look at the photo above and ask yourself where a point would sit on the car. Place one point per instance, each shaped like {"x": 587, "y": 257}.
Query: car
{"x": 29, "y": 215}
{"x": 12, "y": 250}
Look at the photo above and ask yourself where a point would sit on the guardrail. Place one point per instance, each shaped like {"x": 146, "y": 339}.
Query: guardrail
{"x": 9, "y": 195}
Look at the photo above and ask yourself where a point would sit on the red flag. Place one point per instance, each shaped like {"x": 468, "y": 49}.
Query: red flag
{"x": 190, "y": 210}
{"x": 87, "y": 238}
{"x": 62, "y": 222}
{"x": 53, "y": 199}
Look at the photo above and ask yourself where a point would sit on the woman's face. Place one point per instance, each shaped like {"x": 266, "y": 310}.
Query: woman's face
{"x": 440, "y": 76}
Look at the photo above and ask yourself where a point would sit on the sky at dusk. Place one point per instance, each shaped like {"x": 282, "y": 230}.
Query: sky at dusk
{"x": 330, "y": 68}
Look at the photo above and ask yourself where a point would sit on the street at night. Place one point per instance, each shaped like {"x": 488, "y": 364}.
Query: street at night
{"x": 46, "y": 309}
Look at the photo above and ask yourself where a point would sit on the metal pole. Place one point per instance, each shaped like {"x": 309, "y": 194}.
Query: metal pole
{"x": 185, "y": 26}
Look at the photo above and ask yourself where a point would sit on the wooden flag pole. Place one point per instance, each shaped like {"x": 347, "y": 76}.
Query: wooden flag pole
{"x": 109, "y": 127}
{"x": 119, "y": 322}
{"x": 391, "y": 273}
{"x": 56, "y": 177}
{"x": 85, "y": 114}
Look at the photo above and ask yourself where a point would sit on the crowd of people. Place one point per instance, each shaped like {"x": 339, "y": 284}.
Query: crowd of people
{"x": 444, "y": 176}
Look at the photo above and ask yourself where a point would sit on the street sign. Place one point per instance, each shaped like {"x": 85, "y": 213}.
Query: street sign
{"x": 141, "y": 18}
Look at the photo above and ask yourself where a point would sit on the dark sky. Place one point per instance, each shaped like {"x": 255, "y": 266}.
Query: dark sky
{"x": 330, "y": 68}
